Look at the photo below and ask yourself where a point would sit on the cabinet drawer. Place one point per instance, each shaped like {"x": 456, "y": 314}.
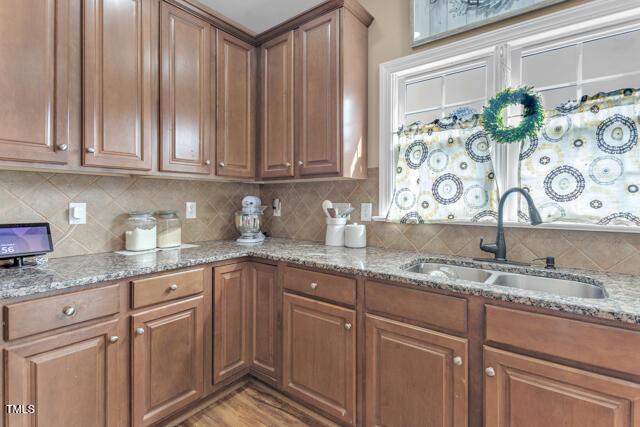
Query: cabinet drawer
{"x": 596, "y": 345}
{"x": 33, "y": 317}
{"x": 420, "y": 306}
{"x": 166, "y": 287}
{"x": 321, "y": 285}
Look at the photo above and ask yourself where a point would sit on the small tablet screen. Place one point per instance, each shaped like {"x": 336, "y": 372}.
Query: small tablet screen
{"x": 18, "y": 240}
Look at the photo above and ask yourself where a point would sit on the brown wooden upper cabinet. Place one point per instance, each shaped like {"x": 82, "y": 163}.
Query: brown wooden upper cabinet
{"x": 186, "y": 97}
{"x": 236, "y": 96}
{"x": 329, "y": 115}
{"x": 276, "y": 129}
{"x": 35, "y": 108}
{"x": 117, "y": 92}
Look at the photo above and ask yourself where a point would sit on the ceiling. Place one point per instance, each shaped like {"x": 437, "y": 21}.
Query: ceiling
{"x": 260, "y": 15}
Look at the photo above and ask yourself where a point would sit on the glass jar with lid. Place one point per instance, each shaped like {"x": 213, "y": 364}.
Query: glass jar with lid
{"x": 140, "y": 234}
{"x": 169, "y": 229}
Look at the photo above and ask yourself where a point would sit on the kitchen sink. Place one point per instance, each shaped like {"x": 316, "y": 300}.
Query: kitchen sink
{"x": 569, "y": 288}
{"x": 572, "y": 288}
{"x": 446, "y": 271}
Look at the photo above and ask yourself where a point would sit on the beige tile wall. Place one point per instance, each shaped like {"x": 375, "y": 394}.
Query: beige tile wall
{"x": 303, "y": 219}
{"x": 38, "y": 197}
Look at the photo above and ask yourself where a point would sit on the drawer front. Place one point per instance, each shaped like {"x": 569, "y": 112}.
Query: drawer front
{"x": 33, "y": 317}
{"x": 420, "y": 306}
{"x": 321, "y": 285}
{"x": 597, "y": 345}
{"x": 166, "y": 287}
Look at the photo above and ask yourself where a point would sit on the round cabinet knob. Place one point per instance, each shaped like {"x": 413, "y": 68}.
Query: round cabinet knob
{"x": 63, "y": 147}
{"x": 313, "y": 285}
{"x": 91, "y": 150}
{"x": 221, "y": 164}
{"x": 173, "y": 287}
{"x": 69, "y": 310}
{"x": 348, "y": 326}
{"x": 490, "y": 372}
{"x": 114, "y": 339}
{"x": 457, "y": 361}
{"x": 288, "y": 164}
{"x": 207, "y": 162}
{"x": 139, "y": 331}
{"x": 300, "y": 163}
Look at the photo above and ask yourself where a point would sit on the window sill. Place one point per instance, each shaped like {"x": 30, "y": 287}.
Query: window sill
{"x": 549, "y": 226}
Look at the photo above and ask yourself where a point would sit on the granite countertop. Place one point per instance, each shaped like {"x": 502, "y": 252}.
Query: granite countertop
{"x": 622, "y": 305}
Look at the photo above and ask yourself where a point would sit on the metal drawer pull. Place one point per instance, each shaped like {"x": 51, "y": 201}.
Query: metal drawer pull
{"x": 114, "y": 338}
{"x": 207, "y": 162}
{"x": 91, "y": 150}
{"x": 63, "y": 147}
{"x": 300, "y": 162}
{"x": 221, "y": 164}
{"x": 173, "y": 287}
{"x": 288, "y": 164}
{"x": 313, "y": 285}
{"x": 347, "y": 326}
{"x": 139, "y": 331}
{"x": 457, "y": 361}
{"x": 490, "y": 372}
{"x": 69, "y": 310}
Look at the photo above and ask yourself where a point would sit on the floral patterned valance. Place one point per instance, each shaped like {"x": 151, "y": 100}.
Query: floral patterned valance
{"x": 444, "y": 173}
{"x": 584, "y": 165}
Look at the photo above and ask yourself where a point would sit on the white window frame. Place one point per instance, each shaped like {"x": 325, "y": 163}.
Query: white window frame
{"x": 603, "y": 16}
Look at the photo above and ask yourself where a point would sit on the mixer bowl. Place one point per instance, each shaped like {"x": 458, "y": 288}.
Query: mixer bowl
{"x": 248, "y": 223}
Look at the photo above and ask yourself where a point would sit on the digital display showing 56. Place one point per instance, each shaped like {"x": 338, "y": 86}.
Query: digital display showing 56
{"x": 24, "y": 239}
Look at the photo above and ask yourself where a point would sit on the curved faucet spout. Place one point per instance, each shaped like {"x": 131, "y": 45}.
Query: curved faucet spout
{"x": 499, "y": 249}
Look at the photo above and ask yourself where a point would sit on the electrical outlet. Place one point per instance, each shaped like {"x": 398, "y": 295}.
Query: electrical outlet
{"x": 191, "y": 210}
{"x": 366, "y": 210}
{"x": 277, "y": 207}
{"x": 77, "y": 213}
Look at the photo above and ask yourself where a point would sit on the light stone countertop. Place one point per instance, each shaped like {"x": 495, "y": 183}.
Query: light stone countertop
{"x": 622, "y": 305}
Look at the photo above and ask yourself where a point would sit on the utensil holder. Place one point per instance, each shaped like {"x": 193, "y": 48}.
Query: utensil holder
{"x": 335, "y": 231}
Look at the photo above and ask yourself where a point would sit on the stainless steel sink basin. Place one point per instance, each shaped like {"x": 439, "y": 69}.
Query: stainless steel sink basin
{"x": 441, "y": 271}
{"x": 553, "y": 286}
{"x": 572, "y": 288}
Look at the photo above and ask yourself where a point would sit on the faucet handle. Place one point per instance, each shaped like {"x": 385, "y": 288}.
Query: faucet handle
{"x": 550, "y": 262}
{"x": 491, "y": 248}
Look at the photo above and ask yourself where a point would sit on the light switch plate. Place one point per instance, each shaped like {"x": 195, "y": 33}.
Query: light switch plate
{"x": 366, "y": 212}
{"x": 77, "y": 213}
{"x": 191, "y": 210}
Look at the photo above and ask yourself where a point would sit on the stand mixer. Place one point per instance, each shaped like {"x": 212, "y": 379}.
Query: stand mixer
{"x": 248, "y": 220}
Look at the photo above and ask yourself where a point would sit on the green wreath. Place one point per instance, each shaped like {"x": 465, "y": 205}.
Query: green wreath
{"x": 532, "y": 118}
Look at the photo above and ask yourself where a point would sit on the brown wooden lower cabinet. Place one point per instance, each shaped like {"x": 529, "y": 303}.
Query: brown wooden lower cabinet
{"x": 230, "y": 320}
{"x": 167, "y": 357}
{"x": 264, "y": 293}
{"x": 522, "y": 391}
{"x": 414, "y": 376}
{"x": 70, "y": 378}
{"x": 319, "y": 355}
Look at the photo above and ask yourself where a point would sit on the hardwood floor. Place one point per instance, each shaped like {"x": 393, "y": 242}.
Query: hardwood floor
{"x": 254, "y": 404}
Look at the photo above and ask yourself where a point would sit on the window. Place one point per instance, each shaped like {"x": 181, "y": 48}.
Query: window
{"x": 566, "y": 56}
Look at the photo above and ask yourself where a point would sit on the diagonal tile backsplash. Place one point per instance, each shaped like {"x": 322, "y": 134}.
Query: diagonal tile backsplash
{"x": 36, "y": 197}
{"x": 303, "y": 219}
{"x": 45, "y": 197}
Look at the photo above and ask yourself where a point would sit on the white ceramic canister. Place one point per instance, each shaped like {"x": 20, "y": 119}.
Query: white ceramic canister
{"x": 335, "y": 231}
{"x": 355, "y": 236}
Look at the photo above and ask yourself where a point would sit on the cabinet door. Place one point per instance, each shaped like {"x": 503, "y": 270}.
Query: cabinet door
{"x": 276, "y": 107}
{"x": 415, "y": 376}
{"x": 230, "y": 320}
{"x": 236, "y": 84}
{"x": 185, "y": 92}
{"x": 318, "y": 96}
{"x": 70, "y": 378}
{"x": 167, "y": 357}
{"x": 264, "y": 292}
{"x": 525, "y": 392}
{"x": 118, "y": 100}
{"x": 319, "y": 356}
{"x": 34, "y": 74}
